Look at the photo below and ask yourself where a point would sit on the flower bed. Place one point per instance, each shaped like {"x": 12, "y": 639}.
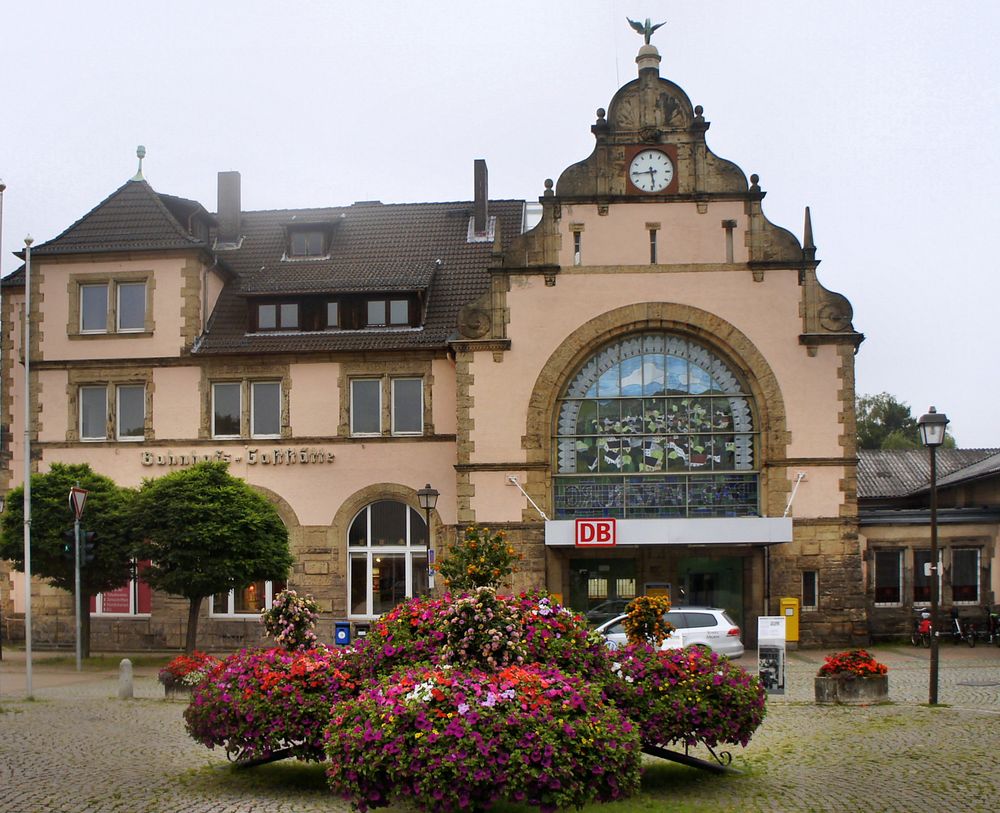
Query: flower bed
{"x": 258, "y": 702}
{"x": 852, "y": 678}
{"x": 185, "y": 672}
{"x": 686, "y": 695}
{"x": 449, "y": 739}
{"x": 852, "y": 663}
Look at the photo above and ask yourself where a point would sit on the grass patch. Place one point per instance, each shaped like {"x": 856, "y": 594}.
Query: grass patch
{"x": 289, "y": 777}
{"x": 682, "y": 789}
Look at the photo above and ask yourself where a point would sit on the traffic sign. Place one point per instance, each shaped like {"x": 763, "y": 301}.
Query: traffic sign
{"x": 77, "y": 499}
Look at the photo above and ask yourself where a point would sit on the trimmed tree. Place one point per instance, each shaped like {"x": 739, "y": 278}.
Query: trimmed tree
{"x": 483, "y": 558}
{"x": 52, "y": 558}
{"x": 207, "y": 532}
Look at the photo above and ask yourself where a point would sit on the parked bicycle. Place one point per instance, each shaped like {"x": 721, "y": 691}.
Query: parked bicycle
{"x": 961, "y": 630}
{"x": 988, "y": 629}
{"x": 921, "y": 635}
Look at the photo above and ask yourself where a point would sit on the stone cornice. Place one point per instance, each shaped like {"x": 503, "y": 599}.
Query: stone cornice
{"x": 474, "y": 345}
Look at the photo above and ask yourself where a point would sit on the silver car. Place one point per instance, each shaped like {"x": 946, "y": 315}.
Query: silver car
{"x": 704, "y": 626}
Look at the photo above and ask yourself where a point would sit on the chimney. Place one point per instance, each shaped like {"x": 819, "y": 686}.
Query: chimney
{"x": 229, "y": 207}
{"x": 481, "y": 210}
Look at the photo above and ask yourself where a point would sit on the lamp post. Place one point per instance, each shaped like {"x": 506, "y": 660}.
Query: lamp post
{"x": 932, "y": 426}
{"x": 428, "y": 498}
{"x": 3, "y": 504}
{"x": 26, "y": 418}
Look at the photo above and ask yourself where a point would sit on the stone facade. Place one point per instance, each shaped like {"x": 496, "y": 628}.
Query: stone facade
{"x": 691, "y": 262}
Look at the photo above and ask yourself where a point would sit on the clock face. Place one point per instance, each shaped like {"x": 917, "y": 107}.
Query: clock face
{"x": 651, "y": 171}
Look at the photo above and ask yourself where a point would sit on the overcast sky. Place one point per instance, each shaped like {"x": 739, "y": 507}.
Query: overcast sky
{"x": 880, "y": 116}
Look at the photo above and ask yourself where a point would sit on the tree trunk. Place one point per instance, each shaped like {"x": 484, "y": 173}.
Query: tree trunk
{"x": 191, "y": 642}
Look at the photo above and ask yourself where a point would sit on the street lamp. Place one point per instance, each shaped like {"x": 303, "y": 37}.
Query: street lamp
{"x": 3, "y": 504}
{"x": 428, "y": 498}
{"x": 932, "y": 426}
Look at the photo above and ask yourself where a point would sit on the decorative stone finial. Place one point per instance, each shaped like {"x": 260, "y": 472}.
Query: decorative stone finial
{"x": 755, "y": 183}
{"x": 548, "y": 188}
{"x": 140, "y": 152}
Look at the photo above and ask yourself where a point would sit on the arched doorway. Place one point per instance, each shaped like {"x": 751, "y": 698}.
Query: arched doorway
{"x": 387, "y": 557}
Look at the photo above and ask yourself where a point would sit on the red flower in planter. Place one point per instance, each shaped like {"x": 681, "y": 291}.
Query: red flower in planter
{"x": 852, "y": 663}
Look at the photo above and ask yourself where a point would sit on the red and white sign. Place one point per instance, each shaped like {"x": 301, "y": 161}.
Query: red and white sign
{"x": 595, "y": 533}
{"x": 77, "y": 499}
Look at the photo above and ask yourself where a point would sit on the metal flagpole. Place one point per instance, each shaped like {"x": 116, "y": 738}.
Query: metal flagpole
{"x": 27, "y": 464}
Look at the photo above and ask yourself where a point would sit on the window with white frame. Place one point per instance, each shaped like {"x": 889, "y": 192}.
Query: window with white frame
{"x": 93, "y": 412}
{"x": 810, "y": 591}
{"x": 407, "y": 406}
{"x": 248, "y": 600}
{"x": 264, "y": 418}
{"x": 133, "y": 598}
{"x": 965, "y": 575}
{"x": 406, "y": 400}
{"x": 116, "y": 408}
{"x": 889, "y": 577}
{"x": 265, "y": 409}
{"x": 387, "y": 544}
{"x": 117, "y": 306}
{"x": 366, "y": 406}
{"x": 131, "y": 308}
{"x": 226, "y": 409}
{"x": 131, "y": 411}
{"x": 94, "y": 308}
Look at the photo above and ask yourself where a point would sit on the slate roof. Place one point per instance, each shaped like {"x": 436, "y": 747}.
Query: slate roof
{"x": 374, "y": 248}
{"x": 132, "y": 218}
{"x": 899, "y": 473}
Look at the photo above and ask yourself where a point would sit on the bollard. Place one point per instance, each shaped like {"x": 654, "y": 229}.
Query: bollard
{"x": 125, "y": 687}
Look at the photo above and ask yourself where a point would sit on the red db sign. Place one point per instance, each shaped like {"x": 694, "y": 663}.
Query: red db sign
{"x": 595, "y": 533}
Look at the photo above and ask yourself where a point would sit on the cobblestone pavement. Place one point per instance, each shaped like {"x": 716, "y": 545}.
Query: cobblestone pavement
{"x": 76, "y": 747}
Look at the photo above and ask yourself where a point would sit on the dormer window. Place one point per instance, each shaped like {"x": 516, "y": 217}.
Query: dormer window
{"x": 307, "y": 243}
{"x": 388, "y": 312}
{"x": 278, "y": 316}
{"x": 306, "y": 313}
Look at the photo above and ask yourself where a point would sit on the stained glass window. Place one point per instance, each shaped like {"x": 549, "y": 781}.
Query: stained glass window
{"x": 655, "y": 425}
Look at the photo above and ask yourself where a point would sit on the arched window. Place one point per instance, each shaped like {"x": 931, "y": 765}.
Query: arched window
{"x": 655, "y": 425}
{"x": 387, "y": 544}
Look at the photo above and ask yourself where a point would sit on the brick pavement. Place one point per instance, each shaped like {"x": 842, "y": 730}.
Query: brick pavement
{"x": 77, "y": 748}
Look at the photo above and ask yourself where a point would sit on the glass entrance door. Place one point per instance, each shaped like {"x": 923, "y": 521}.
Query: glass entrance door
{"x": 600, "y": 588}
{"x": 713, "y": 582}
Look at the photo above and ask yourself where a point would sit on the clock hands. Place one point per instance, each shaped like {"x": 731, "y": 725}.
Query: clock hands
{"x": 652, "y": 175}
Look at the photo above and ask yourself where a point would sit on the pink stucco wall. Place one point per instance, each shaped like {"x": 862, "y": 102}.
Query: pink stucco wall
{"x": 621, "y": 237}
{"x": 166, "y": 310}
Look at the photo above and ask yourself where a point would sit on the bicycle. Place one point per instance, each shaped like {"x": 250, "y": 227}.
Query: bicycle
{"x": 960, "y": 631}
{"x": 921, "y": 635}
{"x": 989, "y": 631}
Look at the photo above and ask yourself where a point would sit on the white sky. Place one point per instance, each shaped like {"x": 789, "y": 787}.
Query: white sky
{"x": 880, "y": 116}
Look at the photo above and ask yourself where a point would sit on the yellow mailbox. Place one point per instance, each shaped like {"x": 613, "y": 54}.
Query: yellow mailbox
{"x": 790, "y": 610}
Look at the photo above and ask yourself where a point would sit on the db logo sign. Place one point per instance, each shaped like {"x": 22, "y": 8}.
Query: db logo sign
{"x": 595, "y": 533}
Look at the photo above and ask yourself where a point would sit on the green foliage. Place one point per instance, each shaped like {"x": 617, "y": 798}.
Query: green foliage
{"x": 106, "y": 513}
{"x": 887, "y": 423}
{"x": 480, "y": 559}
{"x": 207, "y": 532}
{"x": 645, "y": 622}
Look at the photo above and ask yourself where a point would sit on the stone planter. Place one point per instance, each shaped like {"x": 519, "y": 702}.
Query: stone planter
{"x": 177, "y": 691}
{"x": 852, "y": 691}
